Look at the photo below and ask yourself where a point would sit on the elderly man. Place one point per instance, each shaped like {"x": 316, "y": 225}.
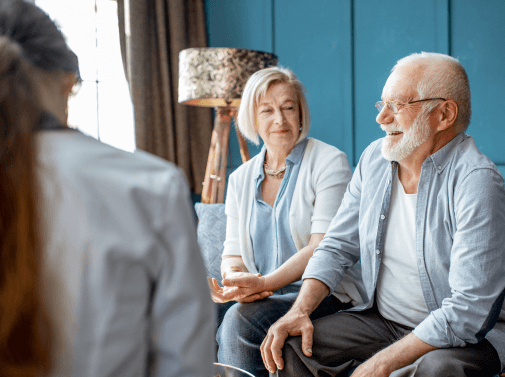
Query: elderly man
{"x": 425, "y": 212}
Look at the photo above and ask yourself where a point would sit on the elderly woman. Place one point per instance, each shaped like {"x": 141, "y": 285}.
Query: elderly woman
{"x": 278, "y": 206}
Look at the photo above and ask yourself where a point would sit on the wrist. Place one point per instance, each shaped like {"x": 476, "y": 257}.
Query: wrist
{"x": 231, "y": 270}
{"x": 265, "y": 283}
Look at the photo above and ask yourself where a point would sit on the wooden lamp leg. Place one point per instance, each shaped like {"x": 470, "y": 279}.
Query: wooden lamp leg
{"x": 215, "y": 173}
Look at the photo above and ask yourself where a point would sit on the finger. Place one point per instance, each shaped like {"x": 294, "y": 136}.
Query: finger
{"x": 307, "y": 332}
{"x": 250, "y": 298}
{"x": 266, "y": 355}
{"x": 265, "y": 294}
{"x": 233, "y": 294}
{"x": 243, "y": 281}
{"x": 276, "y": 348}
{"x": 209, "y": 282}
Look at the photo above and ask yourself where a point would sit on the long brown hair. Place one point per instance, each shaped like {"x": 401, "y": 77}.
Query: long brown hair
{"x": 28, "y": 39}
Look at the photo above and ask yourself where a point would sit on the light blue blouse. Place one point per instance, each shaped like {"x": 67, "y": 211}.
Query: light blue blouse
{"x": 269, "y": 228}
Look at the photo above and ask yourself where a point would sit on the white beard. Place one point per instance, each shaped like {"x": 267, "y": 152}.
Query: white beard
{"x": 413, "y": 138}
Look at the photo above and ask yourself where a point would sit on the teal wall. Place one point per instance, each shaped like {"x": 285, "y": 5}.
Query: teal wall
{"x": 343, "y": 51}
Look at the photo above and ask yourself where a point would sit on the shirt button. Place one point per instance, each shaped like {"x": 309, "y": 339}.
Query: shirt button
{"x": 388, "y": 182}
{"x": 383, "y": 217}
{"x": 439, "y": 167}
{"x": 377, "y": 251}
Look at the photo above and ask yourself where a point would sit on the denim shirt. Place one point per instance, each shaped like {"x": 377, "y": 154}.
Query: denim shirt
{"x": 460, "y": 241}
{"x": 269, "y": 228}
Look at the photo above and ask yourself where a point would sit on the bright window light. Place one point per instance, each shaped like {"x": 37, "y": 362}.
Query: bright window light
{"x": 102, "y": 107}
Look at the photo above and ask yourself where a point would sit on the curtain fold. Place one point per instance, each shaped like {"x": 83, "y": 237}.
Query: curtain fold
{"x": 152, "y": 32}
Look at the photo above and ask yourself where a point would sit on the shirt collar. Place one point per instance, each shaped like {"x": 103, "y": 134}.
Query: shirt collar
{"x": 441, "y": 158}
{"x": 294, "y": 157}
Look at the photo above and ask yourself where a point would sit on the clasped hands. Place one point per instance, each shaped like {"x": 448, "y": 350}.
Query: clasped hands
{"x": 239, "y": 286}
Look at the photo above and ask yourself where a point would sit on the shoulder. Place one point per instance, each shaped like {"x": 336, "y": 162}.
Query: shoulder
{"x": 466, "y": 160}
{"x": 322, "y": 162}
{"x": 319, "y": 150}
{"x": 470, "y": 157}
{"x": 88, "y": 164}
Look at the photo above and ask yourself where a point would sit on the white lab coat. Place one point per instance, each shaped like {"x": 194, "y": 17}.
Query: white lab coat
{"x": 124, "y": 278}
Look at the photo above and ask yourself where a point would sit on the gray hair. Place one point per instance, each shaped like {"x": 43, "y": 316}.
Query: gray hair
{"x": 256, "y": 87}
{"x": 443, "y": 76}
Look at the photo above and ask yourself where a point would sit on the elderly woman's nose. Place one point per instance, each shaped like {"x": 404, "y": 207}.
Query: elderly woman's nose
{"x": 279, "y": 117}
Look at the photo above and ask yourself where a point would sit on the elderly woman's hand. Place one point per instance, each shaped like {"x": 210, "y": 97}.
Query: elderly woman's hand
{"x": 244, "y": 287}
{"x": 236, "y": 293}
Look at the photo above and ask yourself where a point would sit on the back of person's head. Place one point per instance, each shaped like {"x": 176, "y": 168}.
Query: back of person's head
{"x": 32, "y": 52}
{"x": 443, "y": 76}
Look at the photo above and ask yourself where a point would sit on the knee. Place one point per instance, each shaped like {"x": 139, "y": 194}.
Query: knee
{"x": 240, "y": 319}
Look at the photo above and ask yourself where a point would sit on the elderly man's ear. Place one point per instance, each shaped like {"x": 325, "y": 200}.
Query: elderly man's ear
{"x": 448, "y": 112}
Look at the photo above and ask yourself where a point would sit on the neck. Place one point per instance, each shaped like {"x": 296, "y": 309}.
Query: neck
{"x": 409, "y": 169}
{"x": 276, "y": 159}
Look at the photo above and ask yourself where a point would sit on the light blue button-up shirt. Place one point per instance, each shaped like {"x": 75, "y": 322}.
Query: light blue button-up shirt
{"x": 269, "y": 228}
{"x": 460, "y": 241}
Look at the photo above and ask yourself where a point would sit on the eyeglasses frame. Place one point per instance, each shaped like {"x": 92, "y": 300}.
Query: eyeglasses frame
{"x": 401, "y": 105}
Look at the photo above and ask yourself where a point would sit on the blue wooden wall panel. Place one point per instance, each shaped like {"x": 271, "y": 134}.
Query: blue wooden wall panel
{"x": 315, "y": 42}
{"x": 478, "y": 30}
{"x": 239, "y": 24}
{"x": 343, "y": 52}
{"x": 384, "y": 33}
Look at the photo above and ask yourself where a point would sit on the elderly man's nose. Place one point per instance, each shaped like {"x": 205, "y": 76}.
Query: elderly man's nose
{"x": 385, "y": 116}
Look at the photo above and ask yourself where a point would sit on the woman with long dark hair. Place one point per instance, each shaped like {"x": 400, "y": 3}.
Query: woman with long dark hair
{"x": 100, "y": 272}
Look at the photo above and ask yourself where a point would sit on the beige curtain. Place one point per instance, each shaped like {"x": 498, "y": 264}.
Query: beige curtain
{"x": 152, "y": 33}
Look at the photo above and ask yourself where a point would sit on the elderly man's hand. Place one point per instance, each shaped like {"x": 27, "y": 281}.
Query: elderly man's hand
{"x": 294, "y": 323}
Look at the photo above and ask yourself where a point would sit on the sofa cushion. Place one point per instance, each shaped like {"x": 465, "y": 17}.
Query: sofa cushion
{"x": 211, "y": 235}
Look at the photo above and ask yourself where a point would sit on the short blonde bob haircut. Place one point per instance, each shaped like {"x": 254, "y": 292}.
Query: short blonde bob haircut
{"x": 256, "y": 87}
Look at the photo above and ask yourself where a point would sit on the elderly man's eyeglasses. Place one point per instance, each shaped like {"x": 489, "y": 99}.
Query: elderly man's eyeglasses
{"x": 395, "y": 107}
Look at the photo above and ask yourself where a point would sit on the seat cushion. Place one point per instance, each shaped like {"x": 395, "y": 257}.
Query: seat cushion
{"x": 211, "y": 235}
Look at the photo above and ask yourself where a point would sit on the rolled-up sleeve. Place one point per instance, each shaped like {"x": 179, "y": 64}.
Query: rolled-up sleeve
{"x": 231, "y": 243}
{"x": 340, "y": 247}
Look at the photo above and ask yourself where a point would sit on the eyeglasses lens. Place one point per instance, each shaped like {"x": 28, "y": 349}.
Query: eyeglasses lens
{"x": 392, "y": 106}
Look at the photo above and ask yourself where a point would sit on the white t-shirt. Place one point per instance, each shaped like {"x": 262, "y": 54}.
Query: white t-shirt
{"x": 399, "y": 295}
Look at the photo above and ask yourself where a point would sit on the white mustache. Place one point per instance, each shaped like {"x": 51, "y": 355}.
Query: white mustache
{"x": 391, "y": 128}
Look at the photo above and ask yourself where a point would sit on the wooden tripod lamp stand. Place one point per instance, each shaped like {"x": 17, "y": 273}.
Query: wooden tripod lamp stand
{"x": 215, "y": 77}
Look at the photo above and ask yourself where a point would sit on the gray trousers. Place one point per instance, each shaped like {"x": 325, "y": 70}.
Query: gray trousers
{"x": 344, "y": 340}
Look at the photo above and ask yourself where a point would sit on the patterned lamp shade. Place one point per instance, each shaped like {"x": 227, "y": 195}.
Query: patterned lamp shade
{"x": 214, "y": 76}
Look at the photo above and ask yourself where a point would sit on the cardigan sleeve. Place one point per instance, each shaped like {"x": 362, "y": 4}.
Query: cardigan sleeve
{"x": 330, "y": 179}
{"x": 231, "y": 243}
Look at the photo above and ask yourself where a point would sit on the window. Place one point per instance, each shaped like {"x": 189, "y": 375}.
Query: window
{"x": 102, "y": 107}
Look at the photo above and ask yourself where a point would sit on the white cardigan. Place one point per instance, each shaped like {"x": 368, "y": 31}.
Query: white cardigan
{"x": 320, "y": 186}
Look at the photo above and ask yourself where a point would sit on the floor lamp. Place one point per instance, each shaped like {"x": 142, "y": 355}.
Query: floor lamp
{"x": 215, "y": 77}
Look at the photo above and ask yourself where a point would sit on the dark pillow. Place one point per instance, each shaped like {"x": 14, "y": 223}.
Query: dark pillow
{"x": 211, "y": 235}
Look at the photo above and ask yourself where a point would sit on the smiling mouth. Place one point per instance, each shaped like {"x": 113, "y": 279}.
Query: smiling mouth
{"x": 393, "y": 133}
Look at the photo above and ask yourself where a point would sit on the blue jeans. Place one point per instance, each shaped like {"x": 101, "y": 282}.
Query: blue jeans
{"x": 244, "y": 326}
